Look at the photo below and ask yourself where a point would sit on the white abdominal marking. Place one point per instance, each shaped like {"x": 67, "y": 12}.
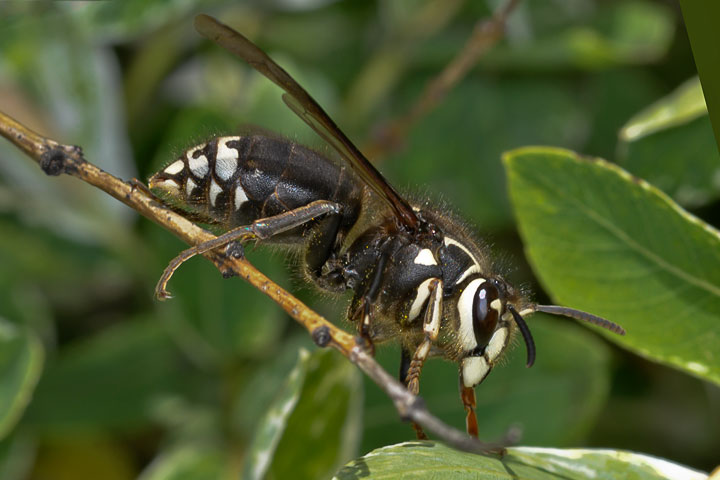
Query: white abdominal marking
{"x": 425, "y": 257}
{"x": 466, "y": 332}
{"x": 170, "y": 185}
{"x": 215, "y": 190}
{"x": 198, "y": 166}
{"x": 226, "y": 161}
{"x": 423, "y": 292}
{"x": 190, "y": 186}
{"x": 240, "y": 197}
{"x": 175, "y": 168}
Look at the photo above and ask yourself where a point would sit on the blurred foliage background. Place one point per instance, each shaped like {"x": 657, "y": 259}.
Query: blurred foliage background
{"x": 98, "y": 380}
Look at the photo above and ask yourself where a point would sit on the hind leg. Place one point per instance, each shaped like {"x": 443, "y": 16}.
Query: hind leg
{"x": 261, "y": 229}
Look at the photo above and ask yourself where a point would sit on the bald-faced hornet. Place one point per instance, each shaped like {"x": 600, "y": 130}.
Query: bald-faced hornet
{"x": 417, "y": 274}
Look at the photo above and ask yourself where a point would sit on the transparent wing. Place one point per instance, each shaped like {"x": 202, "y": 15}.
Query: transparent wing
{"x": 308, "y": 110}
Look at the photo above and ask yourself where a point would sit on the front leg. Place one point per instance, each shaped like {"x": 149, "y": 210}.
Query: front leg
{"x": 467, "y": 395}
{"x": 260, "y": 229}
{"x": 431, "y": 328}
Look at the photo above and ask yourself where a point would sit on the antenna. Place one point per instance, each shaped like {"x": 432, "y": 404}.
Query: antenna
{"x": 527, "y": 336}
{"x": 579, "y": 315}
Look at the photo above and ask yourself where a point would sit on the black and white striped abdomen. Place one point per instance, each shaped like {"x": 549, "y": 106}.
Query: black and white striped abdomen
{"x": 235, "y": 180}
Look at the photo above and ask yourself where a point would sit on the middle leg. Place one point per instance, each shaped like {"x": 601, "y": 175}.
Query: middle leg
{"x": 363, "y": 310}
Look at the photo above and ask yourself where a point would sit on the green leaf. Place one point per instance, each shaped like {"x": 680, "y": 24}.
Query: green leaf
{"x": 555, "y": 402}
{"x": 21, "y": 360}
{"x": 327, "y": 419}
{"x": 188, "y": 463}
{"x": 262, "y": 384}
{"x": 273, "y": 425}
{"x": 319, "y": 404}
{"x": 671, "y": 144}
{"x": 110, "y": 380}
{"x": 629, "y": 32}
{"x": 606, "y": 242}
{"x": 434, "y": 460}
{"x": 681, "y": 106}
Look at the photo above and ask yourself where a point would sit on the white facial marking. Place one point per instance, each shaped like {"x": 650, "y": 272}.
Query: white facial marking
{"x": 169, "y": 185}
{"x": 432, "y": 328}
{"x": 240, "y": 197}
{"x": 497, "y": 306}
{"x": 474, "y": 370}
{"x": 226, "y": 161}
{"x": 425, "y": 257}
{"x": 215, "y": 190}
{"x": 475, "y": 268}
{"x": 175, "y": 168}
{"x": 528, "y": 311}
{"x": 198, "y": 166}
{"x": 423, "y": 292}
{"x": 190, "y": 186}
{"x": 466, "y": 332}
{"x": 497, "y": 343}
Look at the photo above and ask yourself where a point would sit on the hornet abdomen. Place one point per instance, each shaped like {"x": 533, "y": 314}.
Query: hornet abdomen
{"x": 235, "y": 180}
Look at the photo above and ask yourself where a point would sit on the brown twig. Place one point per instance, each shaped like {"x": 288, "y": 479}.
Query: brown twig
{"x": 56, "y": 159}
{"x": 487, "y": 32}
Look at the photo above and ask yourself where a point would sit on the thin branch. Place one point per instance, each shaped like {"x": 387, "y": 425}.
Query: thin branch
{"x": 487, "y": 32}
{"x": 56, "y": 159}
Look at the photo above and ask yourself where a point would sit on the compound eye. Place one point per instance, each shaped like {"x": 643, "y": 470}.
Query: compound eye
{"x": 487, "y": 307}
